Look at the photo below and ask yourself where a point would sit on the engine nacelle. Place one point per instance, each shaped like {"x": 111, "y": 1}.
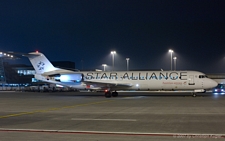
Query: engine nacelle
{"x": 77, "y": 77}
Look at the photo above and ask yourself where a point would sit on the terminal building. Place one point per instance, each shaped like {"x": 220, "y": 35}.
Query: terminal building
{"x": 17, "y": 75}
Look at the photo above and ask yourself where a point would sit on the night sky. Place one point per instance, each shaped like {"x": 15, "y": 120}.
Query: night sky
{"x": 143, "y": 30}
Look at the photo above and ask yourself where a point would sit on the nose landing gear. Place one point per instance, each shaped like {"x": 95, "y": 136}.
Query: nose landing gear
{"x": 194, "y": 95}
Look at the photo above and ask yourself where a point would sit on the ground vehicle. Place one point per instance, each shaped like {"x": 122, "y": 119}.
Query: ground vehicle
{"x": 219, "y": 89}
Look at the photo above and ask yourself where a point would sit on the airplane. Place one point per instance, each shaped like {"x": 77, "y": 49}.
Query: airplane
{"x": 111, "y": 82}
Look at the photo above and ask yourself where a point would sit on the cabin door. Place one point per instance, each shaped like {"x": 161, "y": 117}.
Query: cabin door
{"x": 191, "y": 80}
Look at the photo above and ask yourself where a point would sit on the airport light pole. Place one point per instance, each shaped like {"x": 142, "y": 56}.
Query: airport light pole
{"x": 104, "y": 65}
{"x": 127, "y": 63}
{"x": 171, "y": 52}
{"x": 113, "y": 53}
{"x": 175, "y": 59}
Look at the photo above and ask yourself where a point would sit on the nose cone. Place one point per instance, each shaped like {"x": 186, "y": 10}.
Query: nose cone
{"x": 213, "y": 84}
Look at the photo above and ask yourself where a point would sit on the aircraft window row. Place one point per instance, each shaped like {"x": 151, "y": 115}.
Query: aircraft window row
{"x": 202, "y": 76}
{"x": 101, "y": 77}
{"x": 153, "y": 77}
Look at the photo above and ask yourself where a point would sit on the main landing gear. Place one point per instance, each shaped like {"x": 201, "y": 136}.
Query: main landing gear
{"x": 108, "y": 94}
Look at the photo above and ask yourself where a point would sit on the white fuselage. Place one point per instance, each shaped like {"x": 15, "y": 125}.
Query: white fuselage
{"x": 119, "y": 80}
{"x": 152, "y": 80}
{"x": 139, "y": 80}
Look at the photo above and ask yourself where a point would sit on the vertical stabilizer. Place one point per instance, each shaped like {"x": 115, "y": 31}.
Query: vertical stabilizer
{"x": 40, "y": 63}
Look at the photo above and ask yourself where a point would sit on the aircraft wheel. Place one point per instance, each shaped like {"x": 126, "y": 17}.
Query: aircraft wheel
{"x": 108, "y": 94}
{"x": 114, "y": 94}
{"x": 194, "y": 94}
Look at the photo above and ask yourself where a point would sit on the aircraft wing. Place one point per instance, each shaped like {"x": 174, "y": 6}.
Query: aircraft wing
{"x": 59, "y": 71}
{"x": 108, "y": 84}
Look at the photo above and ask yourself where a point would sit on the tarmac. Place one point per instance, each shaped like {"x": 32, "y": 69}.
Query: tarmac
{"x": 132, "y": 116}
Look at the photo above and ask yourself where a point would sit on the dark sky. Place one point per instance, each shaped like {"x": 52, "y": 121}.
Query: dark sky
{"x": 143, "y": 30}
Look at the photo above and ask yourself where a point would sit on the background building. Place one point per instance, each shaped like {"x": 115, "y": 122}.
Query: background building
{"x": 22, "y": 74}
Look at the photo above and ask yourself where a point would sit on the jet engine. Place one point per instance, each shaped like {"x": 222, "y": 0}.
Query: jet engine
{"x": 77, "y": 77}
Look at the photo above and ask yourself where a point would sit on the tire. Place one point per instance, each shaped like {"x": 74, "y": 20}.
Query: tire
{"x": 114, "y": 94}
{"x": 108, "y": 94}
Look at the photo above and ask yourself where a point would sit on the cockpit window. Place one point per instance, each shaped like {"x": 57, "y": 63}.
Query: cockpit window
{"x": 202, "y": 76}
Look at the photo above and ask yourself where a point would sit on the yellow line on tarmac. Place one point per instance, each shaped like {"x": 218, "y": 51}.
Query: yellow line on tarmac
{"x": 54, "y": 109}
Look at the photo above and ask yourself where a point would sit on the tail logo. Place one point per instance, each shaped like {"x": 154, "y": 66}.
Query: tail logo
{"x": 41, "y": 65}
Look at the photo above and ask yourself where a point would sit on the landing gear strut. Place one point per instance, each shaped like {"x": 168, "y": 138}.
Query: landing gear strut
{"x": 108, "y": 94}
{"x": 194, "y": 94}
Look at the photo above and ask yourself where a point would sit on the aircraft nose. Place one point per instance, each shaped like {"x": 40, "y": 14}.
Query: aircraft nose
{"x": 213, "y": 83}
{"x": 210, "y": 84}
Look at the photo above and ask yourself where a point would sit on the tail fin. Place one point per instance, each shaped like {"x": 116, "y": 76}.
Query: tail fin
{"x": 40, "y": 63}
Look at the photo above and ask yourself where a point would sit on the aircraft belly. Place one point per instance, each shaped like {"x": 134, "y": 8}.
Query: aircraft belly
{"x": 174, "y": 85}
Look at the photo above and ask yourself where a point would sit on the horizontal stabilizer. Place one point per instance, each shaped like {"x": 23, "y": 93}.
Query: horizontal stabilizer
{"x": 25, "y": 54}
